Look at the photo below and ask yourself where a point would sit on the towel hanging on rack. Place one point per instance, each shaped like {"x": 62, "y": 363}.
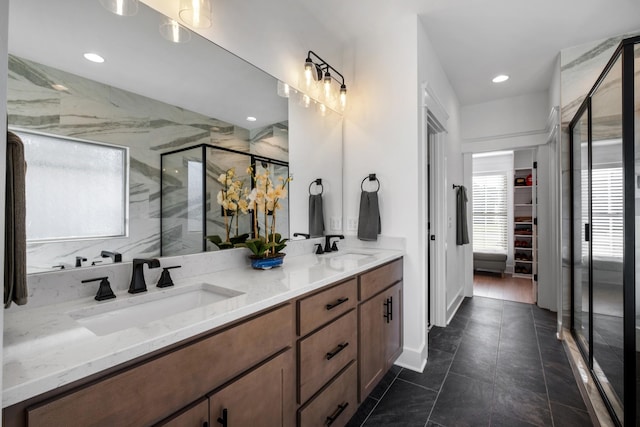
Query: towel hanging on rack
{"x": 15, "y": 255}
{"x": 462, "y": 229}
{"x": 316, "y": 210}
{"x": 369, "y": 225}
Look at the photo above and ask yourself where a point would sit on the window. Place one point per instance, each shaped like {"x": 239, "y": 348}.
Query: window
{"x": 606, "y": 212}
{"x": 74, "y": 189}
{"x": 490, "y": 213}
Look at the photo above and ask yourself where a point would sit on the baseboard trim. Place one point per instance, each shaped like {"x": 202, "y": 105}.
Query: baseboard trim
{"x": 413, "y": 359}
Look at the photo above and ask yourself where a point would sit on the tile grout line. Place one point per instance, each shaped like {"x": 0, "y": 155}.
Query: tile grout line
{"x": 544, "y": 373}
{"x": 381, "y": 397}
{"x": 448, "y": 371}
{"x": 495, "y": 373}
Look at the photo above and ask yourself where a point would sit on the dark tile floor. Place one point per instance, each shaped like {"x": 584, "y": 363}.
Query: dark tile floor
{"x": 498, "y": 363}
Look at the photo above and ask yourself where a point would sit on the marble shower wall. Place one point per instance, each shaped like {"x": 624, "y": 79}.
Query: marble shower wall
{"x": 93, "y": 111}
{"x": 580, "y": 68}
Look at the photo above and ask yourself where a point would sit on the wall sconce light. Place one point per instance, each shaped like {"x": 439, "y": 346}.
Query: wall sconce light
{"x": 196, "y": 13}
{"x": 121, "y": 7}
{"x": 319, "y": 69}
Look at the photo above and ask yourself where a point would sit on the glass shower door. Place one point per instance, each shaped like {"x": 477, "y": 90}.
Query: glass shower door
{"x": 581, "y": 246}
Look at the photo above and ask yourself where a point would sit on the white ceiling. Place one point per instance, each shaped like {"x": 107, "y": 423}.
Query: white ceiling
{"x": 478, "y": 39}
{"x": 198, "y": 75}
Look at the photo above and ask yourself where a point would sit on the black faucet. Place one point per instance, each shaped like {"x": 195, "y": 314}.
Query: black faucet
{"x": 305, "y": 235}
{"x": 104, "y": 291}
{"x": 327, "y": 242}
{"x": 79, "y": 261}
{"x": 137, "y": 278}
{"x": 165, "y": 277}
{"x": 115, "y": 256}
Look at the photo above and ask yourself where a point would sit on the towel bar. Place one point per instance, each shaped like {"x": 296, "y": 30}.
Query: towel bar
{"x": 371, "y": 177}
{"x": 317, "y": 182}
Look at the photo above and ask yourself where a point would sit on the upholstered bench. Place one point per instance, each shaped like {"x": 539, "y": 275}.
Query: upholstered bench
{"x": 490, "y": 262}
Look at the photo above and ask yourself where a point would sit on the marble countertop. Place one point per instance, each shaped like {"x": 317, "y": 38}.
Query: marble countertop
{"x": 45, "y": 347}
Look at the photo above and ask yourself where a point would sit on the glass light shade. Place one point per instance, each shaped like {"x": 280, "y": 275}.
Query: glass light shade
{"x": 174, "y": 32}
{"x": 343, "y": 97}
{"x": 306, "y": 100}
{"x": 121, "y": 7}
{"x": 196, "y": 13}
{"x": 283, "y": 89}
{"x": 327, "y": 84}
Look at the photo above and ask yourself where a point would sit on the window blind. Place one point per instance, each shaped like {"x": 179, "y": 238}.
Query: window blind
{"x": 490, "y": 213}
{"x": 607, "y": 212}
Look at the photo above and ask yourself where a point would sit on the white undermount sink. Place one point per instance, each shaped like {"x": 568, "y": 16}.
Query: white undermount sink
{"x": 351, "y": 256}
{"x": 138, "y": 310}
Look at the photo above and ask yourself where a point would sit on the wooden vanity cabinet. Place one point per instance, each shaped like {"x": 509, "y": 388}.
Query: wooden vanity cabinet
{"x": 379, "y": 324}
{"x": 153, "y": 389}
{"x": 263, "y": 397}
{"x": 194, "y": 416}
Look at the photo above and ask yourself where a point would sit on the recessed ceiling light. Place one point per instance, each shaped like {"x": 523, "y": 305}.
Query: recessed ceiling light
{"x": 94, "y": 57}
{"x": 251, "y": 119}
{"x": 59, "y": 87}
{"x": 500, "y": 78}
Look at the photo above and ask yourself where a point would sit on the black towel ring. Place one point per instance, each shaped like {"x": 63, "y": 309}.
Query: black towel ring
{"x": 371, "y": 177}
{"x": 319, "y": 183}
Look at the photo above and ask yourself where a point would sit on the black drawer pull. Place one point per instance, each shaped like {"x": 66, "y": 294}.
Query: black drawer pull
{"x": 387, "y": 310}
{"x": 223, "y": 420}
{"x": 390, "y": 306}
{"x": 336, "y": 414}
{"x": 337, "y": 303}
{"x": 335, "y": 352}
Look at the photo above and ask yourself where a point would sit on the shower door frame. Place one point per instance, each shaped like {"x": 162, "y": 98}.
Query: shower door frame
{"x": 625, "y": 51}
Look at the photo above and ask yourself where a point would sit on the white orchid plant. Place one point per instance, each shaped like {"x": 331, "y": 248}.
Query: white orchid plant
{"x": 263, "y": 200}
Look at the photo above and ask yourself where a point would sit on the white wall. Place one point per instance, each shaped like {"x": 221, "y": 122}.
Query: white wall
{"x": 507, "y": 123}
{"x": 459, "y": 265}
{"x": 4, "y": 26}
{"x": 381, "y": 135}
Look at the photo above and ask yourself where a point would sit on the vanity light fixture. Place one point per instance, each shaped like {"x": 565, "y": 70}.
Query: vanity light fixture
{"x": 121, "y": 7}
{"x": 500, "y": 78}
{"x": 317, "y": 68}
{"x": 196, "y": 13}
{"x": 174, "y": 32}
{"x": 94, "y": 57}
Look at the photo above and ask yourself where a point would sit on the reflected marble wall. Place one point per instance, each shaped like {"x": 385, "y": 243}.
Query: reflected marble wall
{"x": 90, "y": 110}
{"x": 580, "y": 68}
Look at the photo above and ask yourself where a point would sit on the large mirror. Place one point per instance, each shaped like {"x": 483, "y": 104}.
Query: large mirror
{"x": 153, "y": 97}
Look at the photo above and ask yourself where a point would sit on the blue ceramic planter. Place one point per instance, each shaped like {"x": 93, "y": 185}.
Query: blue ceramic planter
{"x": 267, "y": 263}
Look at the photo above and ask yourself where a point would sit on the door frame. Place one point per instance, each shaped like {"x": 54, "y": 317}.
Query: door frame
{"x": 433, "y": 115}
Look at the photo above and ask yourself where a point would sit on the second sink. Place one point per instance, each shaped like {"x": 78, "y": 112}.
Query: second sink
{"x": 136, "y": 311}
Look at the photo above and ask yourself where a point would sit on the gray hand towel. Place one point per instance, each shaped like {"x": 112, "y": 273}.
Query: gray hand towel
{"x": 15, "y": 246}
{"x": 369, "y": 225}
{"x": 462, "y": 230}
{"x": 316, "y": 215}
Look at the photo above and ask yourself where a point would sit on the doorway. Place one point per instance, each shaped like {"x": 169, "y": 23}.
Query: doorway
{"x": 504, "y": 200}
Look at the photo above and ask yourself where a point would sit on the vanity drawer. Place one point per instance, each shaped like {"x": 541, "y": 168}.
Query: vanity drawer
{"x": 318, "y": 309}
{"x": 335, "y": 405}
{"x": 379, "y": 279}
{"x": 153, "y": 390}
{"x": 323, "y": 354}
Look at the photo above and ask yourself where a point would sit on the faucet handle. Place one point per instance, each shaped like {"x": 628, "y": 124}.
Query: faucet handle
{"x": 165, "y": 277}
{"x": 319, "y": 250}
{"x": 104, "y": 291}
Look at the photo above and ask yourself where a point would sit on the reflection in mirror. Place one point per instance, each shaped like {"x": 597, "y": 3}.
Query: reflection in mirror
{"x": 90, "y": 197}
{"x": 207, "y": 208}
{"x": 144, "y": 103}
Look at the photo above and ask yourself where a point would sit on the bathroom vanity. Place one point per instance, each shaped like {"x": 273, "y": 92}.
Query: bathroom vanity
{"x": 299, "y": 345}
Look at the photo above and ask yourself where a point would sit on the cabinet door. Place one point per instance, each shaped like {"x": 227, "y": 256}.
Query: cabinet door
{"x": 263, "y": 397}
{"x": 196, "y": 416}
{"x": 371, "y": 324}
{"x": 393, "y": 325}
